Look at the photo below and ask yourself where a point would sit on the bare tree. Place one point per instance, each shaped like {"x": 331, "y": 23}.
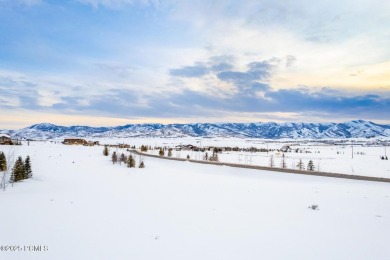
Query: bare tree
{"x": 6, "y": 174}
{"x": 271, "y": 161}
{"x": 300, "y": 165}
{"x": 283, "y": 163}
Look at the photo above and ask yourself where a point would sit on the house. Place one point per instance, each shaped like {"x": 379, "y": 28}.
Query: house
{"x": 188, "y": 147}
{"x": 5, "y": 139}
{"x": 71, "y": 141}
{"x": 286, "y": 148}
{"x": 92, "y": 143}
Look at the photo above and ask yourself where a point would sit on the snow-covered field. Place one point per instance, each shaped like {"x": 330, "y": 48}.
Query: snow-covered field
{"x": 355, "y": 157}
{"x": 81, "y": 206}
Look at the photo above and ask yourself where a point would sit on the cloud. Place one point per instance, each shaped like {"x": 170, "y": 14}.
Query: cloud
{"x": 193, "y": 104}
{"x": 216, "y": 87}
{"x": 254, "y": 93}
{"x": 199, "y": 69}
{"x": 256, "y": 71}
{"x": 190, "y": 71}
{"x": 115, "y": 4}
{"x": 318, "y": 40}
{"x": 121, "y": 103}
{"x": 22, "y": 2}
{"x": 219, "y": 76}
{"x": 17, "y": 93}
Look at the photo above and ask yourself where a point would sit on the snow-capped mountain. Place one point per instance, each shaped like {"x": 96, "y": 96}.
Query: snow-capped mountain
{"x": 351, "y": 129}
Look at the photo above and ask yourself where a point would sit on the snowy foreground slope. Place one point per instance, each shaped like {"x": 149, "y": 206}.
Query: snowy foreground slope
{"x": 82, "y": 206}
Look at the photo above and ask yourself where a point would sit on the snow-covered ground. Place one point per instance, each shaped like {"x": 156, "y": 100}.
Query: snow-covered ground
{"x": 355, "y": 157}
{"x": 82, "y": 206}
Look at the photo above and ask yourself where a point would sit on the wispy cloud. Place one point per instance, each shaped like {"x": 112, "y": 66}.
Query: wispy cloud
{"x": 119, "y": 3}
{"x": 22, "y": 2}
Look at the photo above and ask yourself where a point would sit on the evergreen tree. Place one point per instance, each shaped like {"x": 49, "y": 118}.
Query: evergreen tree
{"x": 170, "y": 152}
{"x": 161, "y": 152}
{"x": 114, "y": 158}
{"x": 3, "y": 162}
{"x": 144, "y": 148}
{"x": 214, "y": 156}
{"x": 122, "y": 159}
{"x": 18, "y": 170}
{"x": 300, "y": 165}
{"x": 105, "y": 150}
{"x": 142, "y": 165}
{"x": 130, "y": 162}
{"x": 27, "y": 168}
{"x": 310, "y": 166}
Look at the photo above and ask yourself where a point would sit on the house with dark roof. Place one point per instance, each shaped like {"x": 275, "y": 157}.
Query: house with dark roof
{"x": 71, "y": 141}
{"x": 286, "y": 148}
{"x": 5, "y": 139}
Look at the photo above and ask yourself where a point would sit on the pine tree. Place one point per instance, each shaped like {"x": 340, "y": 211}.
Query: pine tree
{"x": 142, "y": 165}
{"x": 214, "y": 156}
{"x": 310, "y": 166}
{"x": 3, "y": 162}
{"x": 27, "y": 168}
{"x": 114, "y": 158}
{"x": 170, "y": 152}
{"x": 105, "y": 150}
{"x": 130, "y": 162}
{"x": 18, "y": 170}
{"x": 122, "y": 159}
{"x": 161, "y": 152}
{"x": 144, "y": 148}
{"x": 300, "y": 165}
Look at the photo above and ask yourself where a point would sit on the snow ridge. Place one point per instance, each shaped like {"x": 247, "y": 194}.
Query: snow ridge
{"x": 269, "y": 130}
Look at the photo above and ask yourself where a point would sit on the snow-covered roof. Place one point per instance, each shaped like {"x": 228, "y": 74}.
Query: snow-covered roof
{"x": 5, "y": 135}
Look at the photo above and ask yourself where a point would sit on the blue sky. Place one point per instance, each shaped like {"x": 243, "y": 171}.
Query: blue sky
{"x": 110, "y": 62}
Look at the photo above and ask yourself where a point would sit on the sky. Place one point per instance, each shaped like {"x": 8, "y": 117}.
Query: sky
{"x": 114, "y": 62}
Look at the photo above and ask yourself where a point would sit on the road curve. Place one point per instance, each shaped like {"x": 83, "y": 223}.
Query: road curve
{"x": 263, "y": 168}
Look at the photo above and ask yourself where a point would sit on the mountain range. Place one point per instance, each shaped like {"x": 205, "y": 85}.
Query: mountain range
{"x": 269, "y": 130}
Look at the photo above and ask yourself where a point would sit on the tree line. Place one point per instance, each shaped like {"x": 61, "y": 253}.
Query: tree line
{"x": 127, "y": 160}
{"x": 21, "y": 169}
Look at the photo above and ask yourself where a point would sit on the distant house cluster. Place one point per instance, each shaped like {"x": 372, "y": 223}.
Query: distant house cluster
{"x": 186, "y": 147}
{"x": 79, "y": 141}
{"x": 5, "y": 139}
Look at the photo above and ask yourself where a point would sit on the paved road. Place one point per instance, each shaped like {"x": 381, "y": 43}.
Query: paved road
{"x": 313, "y": 173}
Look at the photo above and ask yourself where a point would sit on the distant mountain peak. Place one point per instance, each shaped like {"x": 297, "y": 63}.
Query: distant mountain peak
{"x": 268, "y": 130}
